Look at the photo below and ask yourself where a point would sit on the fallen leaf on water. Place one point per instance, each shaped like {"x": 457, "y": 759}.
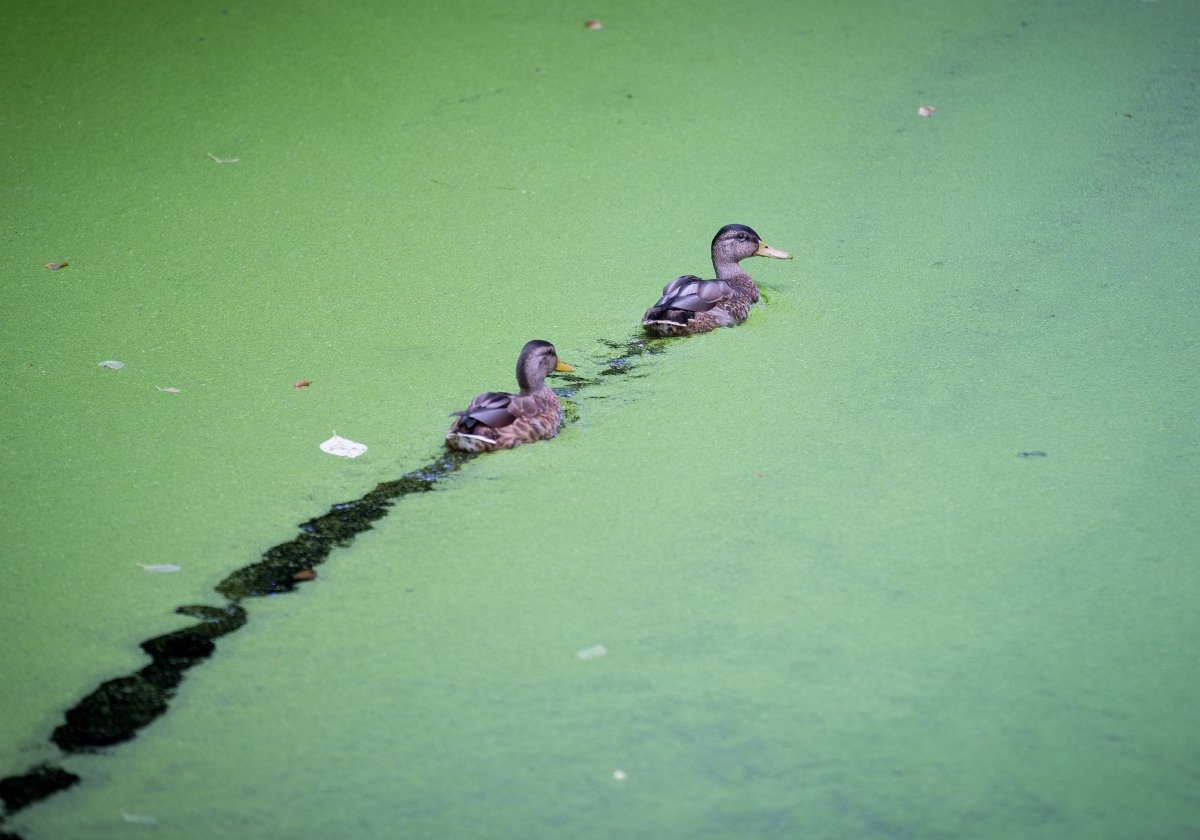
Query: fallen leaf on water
{"x": 160, "y": 567}
{"x": 305, "y": 574}
{"x": 926, "y": 111}
{"x": 303, "y": 383}
{"x": 213, "y": 157}
{"x": 593, "y": 24}
{"x": 111, "y": 364}
{"x": 168, "y": 390}
{"x": 342, "y": 447}
{"x": 55, "y": 266}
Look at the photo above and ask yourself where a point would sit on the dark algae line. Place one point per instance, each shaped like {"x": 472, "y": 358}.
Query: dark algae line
{"x": 119, "y": 708}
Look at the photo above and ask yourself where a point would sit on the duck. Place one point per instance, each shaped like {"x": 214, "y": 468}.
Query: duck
{"x": 690, "y": 305}
{"x": 499, "y": 420}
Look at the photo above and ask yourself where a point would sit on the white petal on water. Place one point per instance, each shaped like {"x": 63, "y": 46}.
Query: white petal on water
{"x": 139, "y": 819}
{"x": 592, "y": 652}
{"x": 111, "y": 364}
{"x": 160, "y": 567}
{"x": 168, "y": 390}
{"x": 342, "y": 447}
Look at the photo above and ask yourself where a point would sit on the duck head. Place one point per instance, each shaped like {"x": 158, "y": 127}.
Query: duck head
{"x": 537, "y": 360}
{"x": 734, "y": 243}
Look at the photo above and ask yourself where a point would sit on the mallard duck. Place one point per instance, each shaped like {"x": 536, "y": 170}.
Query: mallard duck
{"x": 691, "y": 305}
{"x": 497, "y": 420}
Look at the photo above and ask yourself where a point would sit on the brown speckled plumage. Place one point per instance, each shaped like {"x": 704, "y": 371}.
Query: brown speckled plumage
{"x": 690, "y": 305}
{"x": 498, "y": 420}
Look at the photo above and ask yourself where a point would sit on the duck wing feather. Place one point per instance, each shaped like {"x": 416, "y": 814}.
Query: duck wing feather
{"x": 493, "y": 409}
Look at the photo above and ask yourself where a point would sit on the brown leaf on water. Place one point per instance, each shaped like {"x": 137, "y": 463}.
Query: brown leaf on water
{"x": 55, "y": 266}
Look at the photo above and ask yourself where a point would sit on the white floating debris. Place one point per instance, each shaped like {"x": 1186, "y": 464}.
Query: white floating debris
{"x": 619, "y": 775}
{"x": 111, "y": 364}
{"x": 926, "y": 111}
{"x": 592, "y": 652}
{"x": 340, "y": 446}
{"x": 139, "y": 819}
{"x": 216, "y": 159}
{"x": 160, "y": 567}
{"x": 168, "y": 390}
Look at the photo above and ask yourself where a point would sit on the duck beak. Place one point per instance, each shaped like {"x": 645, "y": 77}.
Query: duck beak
{"x": 563, "y": 367}
{"x": 765, "y": 250}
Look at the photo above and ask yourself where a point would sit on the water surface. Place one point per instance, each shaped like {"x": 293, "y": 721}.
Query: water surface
{"x": 836, "y": 599}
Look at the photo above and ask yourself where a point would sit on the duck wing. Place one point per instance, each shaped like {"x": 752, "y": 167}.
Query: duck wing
{"x": 494, "y": 409}
{"x": 686, "y": 296}
{"x": 691, "y": 293}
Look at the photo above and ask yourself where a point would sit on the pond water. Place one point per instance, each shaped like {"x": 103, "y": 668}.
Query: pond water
{"x": 909, "y": 554}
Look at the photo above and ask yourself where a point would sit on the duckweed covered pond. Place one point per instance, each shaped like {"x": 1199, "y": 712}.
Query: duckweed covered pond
{"x": 835, "y": 598}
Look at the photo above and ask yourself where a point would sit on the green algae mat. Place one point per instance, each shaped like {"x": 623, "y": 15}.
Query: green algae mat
{"x": 910, "y": 554}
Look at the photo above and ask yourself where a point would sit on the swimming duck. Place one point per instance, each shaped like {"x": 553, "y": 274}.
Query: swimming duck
{"x": 497, "y": 420}
{"x": 690, "y": 305}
